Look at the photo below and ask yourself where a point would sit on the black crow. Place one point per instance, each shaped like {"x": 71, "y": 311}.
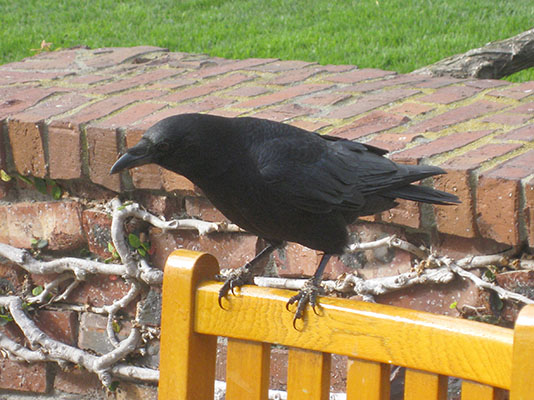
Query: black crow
{"x": 282, "y": 183}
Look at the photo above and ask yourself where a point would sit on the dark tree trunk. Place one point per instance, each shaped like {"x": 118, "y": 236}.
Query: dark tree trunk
{"x": 493, "y": 61}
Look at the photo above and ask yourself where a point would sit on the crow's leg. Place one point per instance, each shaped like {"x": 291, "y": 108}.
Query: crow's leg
{"x": 308, "y": 294}
{"x": 245, "y": 274}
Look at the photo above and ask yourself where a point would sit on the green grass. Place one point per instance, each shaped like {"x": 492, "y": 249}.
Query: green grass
{"x": 399, "y": 35}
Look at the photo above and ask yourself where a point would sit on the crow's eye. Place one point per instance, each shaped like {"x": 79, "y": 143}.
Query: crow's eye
{"x": 162, "y": 147}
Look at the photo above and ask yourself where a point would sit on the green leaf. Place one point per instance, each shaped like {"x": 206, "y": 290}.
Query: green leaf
{"x": 37, "y": 290}
{"x": 141, "y": 251}
{"x": 453, "y": 305}
{"x": 113, "y": 386}
{"x": 111, "y": 248}
{"x": 25, "y": 179}
{"x": 126, "y": 204}
{"x": 116, "y": 326}
{"x": 56, "y": 192}
{"x": 40, "y": 185}
{"x": 134, "y": 241}
{"x": 39, "y": 243}
{"x": 5, "y": 176}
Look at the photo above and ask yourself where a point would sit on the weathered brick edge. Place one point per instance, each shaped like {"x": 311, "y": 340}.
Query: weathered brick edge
{"x": 67, "y": 115}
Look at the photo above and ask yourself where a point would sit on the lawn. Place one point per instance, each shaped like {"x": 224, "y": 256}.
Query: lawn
{"x": 399, "y": 35}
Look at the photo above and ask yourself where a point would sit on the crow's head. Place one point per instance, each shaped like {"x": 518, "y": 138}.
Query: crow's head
{"x": 170, "y": 143}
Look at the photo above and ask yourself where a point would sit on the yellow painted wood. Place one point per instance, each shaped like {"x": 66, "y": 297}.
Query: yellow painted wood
{"x": 477, "y": 391}
{"x": 367, "y": 380}
{"x": 523, "y": 356}
{"x": 247, "y": 370}
{"x": 422, "y": 385}
{"x": 308, "y": 375}
{"x": 187, "y": 359}
{"x": 435, "y": 343}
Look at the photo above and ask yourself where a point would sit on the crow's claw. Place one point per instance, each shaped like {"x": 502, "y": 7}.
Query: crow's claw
{"x": 235, "y": 279}
{"x": 307, "y": 295}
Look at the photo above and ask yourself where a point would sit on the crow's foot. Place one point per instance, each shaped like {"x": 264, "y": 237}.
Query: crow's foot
{"x": 307, "y": 295}
{"x": 236, "y": 278}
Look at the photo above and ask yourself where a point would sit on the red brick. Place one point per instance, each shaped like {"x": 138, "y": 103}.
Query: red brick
{"x": 282, "y": 95}
{"x": 93, "y": 334}
{"x": 232, "y": 250}
{"x": 518, "y": 92}
{"x": 129, "y": 116}
{"x": 285, "y": 112}
{"x": 294, "y": 260}
{"x": 507, "y": 119}
{"x": 474, "y": 158}
{"x": 63, "y": 59}
{"x": 359, "y": 75}
{"x": 518, "y": 167}
{"x": 57, "y": 222}
{"x": 110, "y": 56}
{"x": 438, "y": 82}
{"x": 486, "y": 83}
{"x": 173, "y": 181}
{"x": 200, "y": 207}
{"x": 526, "y": 108}
{"x": 247, "y": 91}
{"x": 280, "y": 66}
{"x": 224, "y": 112}
{"x": 525, "y": 133}
{"x": 298, "y": 75}
{"x": 100, "y": 290}
{"x": 450, "y": 94}
{"x": 230, "y": 65}
{"x": 497, "y": 208}
{"x": 105, "y": 107}
{"x": 146, "y": 176}
{"x": 412, "y": 109}
{"x": 325, "y": 99}
{"x": 171, "y": 84}
{"x": 388, "y": 81}
{"x": 102, "y": 150}
{"x": 407, "y": 213}
{"x": 209, "y": 103}
{"x": 521, "y": 282}
{"x": 64, "y": 149}
{"x": 376, "y": 121}
{"x": 208, "y": 87}
{"x": 8, "y": 77}
{"x": 77, "y": 381}
{"x": 97, "y": 228}
{"x": 24, "y": 377}
{"x": 457, "y": 219}
{"x": 27, "y": 148}
{"x": 529, "y": 211}
{"x": 59, "y": 325}
{"x": 370, "y": 102}
{"x": 88, "y": 79}
{"x": 143, "y": 78}
{"x": 52, "y": 106}
{"x": 12, "y": 278}
{"x": 312, "y": 126}
{"x": 457, "y": 115}
{"x": 393, "y": 141}
{"x": 441, "y": 145}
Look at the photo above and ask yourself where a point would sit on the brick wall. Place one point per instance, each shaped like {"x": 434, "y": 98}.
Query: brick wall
{"x": 66, "y": 115}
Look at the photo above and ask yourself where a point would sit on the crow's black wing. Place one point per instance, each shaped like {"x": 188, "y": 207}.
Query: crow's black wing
{"x": 320, "y": 175}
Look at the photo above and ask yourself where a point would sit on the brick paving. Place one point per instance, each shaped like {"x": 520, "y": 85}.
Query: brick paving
{"x": 68, "y": 113}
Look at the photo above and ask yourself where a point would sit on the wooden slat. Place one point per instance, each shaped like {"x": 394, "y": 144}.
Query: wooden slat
{"x": 421, "y": 385}
{"x": 477, "y": 391}
{"x": 247, "y": 370}
{"x": 308, "y": 375}
{"x": 187, "y": 359}
{"x": 386, "y": 334}
{"x": 367, "y": 380}
{"x": 523, "y": 358}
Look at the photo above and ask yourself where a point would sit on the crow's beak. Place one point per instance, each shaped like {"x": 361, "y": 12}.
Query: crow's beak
{"x": 129, "y": 160}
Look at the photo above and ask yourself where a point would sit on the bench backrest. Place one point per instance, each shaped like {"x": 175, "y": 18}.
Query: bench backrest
{"x": 373, "y": 336}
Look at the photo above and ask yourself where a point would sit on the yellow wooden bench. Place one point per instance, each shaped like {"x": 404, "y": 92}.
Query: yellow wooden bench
{"x": 373, "y": 336}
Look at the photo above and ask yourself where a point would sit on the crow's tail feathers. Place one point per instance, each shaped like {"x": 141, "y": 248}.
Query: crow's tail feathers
{"x": 424, "y": 194}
